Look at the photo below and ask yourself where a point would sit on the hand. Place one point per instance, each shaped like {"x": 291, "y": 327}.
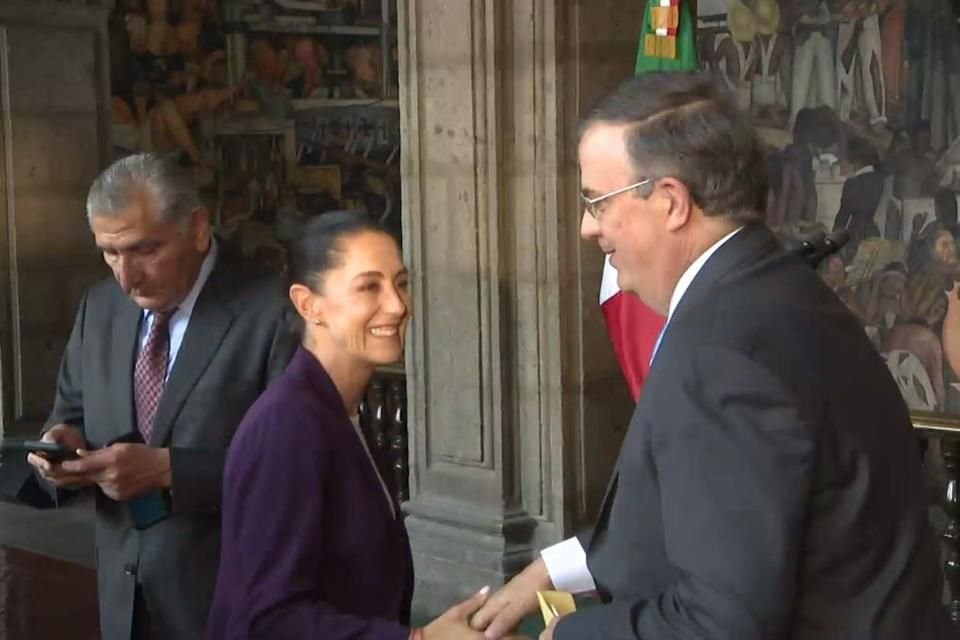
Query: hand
{"x": 454, "y": 623}
{"x": 547, "y": 633}
{"x": 511, "y": 604}
{"x": 68, "y": 436}
{"x": 124, "y": 471}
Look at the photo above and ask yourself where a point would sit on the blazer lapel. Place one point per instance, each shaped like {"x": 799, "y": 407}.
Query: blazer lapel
{"x": 123, "y": 352}
{"x": 209, "y": 322}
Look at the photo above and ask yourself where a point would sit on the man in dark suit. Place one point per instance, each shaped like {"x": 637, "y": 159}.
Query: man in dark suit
{"x": 769, "y": 484}
{"x": 861, "y": 196}
{"x": 163, "y": 362}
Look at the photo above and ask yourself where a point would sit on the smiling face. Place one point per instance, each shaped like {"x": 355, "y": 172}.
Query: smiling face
{"x": 630, "y": 228}
{"x": 154, "y": 262}
{"x": 361, "y": 305}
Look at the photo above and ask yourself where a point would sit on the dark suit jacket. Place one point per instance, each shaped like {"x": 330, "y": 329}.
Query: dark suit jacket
{"x": 858, "y": 206}
{"x": 769, "y": 485}
{"x": 235, "y": 343}
{"x": 310, "y": 546}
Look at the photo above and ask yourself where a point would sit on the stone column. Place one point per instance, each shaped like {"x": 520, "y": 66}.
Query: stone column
{"x": 517, "y": 407}
{"x": 54, "y": 139}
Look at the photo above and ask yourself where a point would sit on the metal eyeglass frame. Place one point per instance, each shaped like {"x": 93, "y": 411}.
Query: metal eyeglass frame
{"x": 590, "y": 204}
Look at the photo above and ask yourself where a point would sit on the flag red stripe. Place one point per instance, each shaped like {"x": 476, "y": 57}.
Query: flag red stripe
{"x": 633, "y": 329}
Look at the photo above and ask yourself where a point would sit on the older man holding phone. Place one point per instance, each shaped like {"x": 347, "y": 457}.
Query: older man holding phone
{"x": 163, "y": 361}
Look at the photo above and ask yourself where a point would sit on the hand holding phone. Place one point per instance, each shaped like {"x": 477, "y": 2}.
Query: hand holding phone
{"x": 66, "y": 439}
{"x": 52, "y": 451}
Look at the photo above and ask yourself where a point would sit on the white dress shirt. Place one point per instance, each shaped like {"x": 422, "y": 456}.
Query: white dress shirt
{"x": 181, "y": 319}
{"x": 567, "y": 561}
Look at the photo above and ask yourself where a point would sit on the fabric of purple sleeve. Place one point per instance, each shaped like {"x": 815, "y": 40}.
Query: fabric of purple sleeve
{"x": 274, "y": 577}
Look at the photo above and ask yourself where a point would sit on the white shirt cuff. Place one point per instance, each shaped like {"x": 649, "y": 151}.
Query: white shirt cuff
{"x": 567, "y": 565}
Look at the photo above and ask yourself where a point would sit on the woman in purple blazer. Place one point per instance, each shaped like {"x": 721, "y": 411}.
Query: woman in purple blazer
{"x": 313, "y": 547}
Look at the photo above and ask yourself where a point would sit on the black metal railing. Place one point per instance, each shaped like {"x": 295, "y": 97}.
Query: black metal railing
{"x": 383, "y": 417}
{"x": 940, "y": 447}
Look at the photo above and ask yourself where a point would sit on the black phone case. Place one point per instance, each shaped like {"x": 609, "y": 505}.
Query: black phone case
{"x": 50, "y": 450}
{"x": 151, "y": 507}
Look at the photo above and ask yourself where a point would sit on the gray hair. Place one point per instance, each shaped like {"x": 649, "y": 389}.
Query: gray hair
{"x": 687, "y": 126}
{"x": 170, "y": 185}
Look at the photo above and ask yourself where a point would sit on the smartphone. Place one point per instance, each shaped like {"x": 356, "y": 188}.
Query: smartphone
{"x": 151, "y": 507}
{"x": 52, "y": 451}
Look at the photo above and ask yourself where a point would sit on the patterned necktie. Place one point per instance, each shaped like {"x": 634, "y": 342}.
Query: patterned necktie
{"x": 150, "y": 372}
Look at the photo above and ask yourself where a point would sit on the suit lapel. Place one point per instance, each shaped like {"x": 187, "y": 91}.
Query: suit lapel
{"x": 209, "y": 322}
{"x": 123, "y": 353}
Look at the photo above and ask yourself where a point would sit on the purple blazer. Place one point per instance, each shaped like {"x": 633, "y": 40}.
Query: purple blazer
{"x": 310, "y": 547}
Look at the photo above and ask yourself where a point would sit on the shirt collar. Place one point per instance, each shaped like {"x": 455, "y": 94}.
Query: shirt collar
{"x": 687, "y": 278}
{"x": 185, "y": 308}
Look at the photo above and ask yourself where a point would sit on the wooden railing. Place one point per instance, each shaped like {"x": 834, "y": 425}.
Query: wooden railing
{"x": 940, "y": 445}
{"x": 383, "y": 417}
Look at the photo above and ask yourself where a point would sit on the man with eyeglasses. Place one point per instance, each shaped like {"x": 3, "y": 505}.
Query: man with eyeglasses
{"x": 769, "y": 484}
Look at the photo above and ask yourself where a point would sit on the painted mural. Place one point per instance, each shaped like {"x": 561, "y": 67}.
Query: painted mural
{"x": 858, "y": 102}
{"x": 280, "y": 106}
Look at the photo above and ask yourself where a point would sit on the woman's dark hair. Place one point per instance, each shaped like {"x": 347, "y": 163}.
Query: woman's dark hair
{"x": 316, "y": 245}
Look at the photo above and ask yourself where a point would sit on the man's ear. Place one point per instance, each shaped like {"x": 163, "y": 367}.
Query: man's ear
{"x": 679, "y": 202}
{"x": 200, "y": 228}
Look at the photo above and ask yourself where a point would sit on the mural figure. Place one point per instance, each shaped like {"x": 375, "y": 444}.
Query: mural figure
{"x": 767, "y": 93}
{"x": 859, "y": 104}
{"x": 859, "y": 56}
{"x": 735, "y": 52}
{"x": 814, "y": 77}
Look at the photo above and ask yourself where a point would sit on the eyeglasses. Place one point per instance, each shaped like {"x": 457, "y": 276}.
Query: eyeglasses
{"x": 591, "y": 204}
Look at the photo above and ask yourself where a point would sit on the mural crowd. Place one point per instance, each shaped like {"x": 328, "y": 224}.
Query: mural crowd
{"x": 859, "y": 103}
{"x": 857, "y": 100}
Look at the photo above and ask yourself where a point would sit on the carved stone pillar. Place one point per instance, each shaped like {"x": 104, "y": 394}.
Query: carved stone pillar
{"x": 54, "y": 139}
{"x": 516, "y": 404}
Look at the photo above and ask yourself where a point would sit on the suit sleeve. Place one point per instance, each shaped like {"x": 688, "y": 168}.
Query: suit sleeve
{"x": 734, "y": 459}
{"x": 844, "y": 213}
{"x": 196, "y": 475}
{"x": 68, "y": 399}
{"x": 274, "y": 511}
{"x": 285, "y": 341}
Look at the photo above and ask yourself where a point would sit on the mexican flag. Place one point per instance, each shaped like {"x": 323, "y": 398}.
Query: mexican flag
{"x": 668, "y": 42}
{"x": 633, "y": 327}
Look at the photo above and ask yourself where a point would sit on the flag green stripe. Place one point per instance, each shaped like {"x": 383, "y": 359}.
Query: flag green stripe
{"x": 686, "y": 59}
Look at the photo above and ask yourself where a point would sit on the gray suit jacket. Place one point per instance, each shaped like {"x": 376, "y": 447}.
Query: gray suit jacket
{"x": 769, "y": 485}
{"x": 236, "y": 342}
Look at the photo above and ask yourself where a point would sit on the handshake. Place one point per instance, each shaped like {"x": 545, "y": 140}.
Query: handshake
{"x": 492, "y": 617}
